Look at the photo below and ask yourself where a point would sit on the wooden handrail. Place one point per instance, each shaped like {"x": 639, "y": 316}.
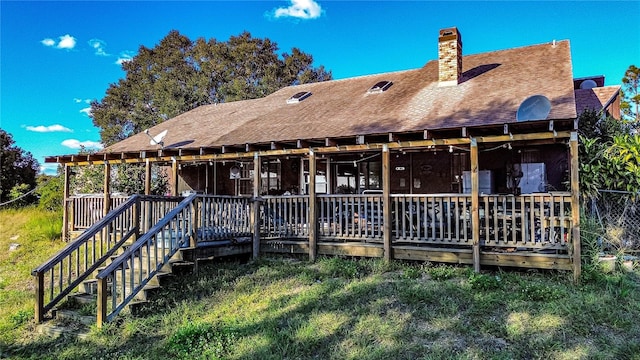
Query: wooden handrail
{"x": 154, "y": 241}
{"x": 65, "y": 259}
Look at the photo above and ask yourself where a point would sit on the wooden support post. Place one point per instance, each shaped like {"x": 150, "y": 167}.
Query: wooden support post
{"x": 107, "y": 189}
{"x": 147, "y": 177}
{"x": 386, "y": 202}
{"x": 313, "y": 219}
{"x": 65, "y": 208}
{"x": 101, "y": 316}
{"x": 475, "y": 205}
{"x": 255, "y": 206}
{"x": 195, "y": 220}
{"x": 39, "y": 310}
{"x": 575, "y": 206}
{"x": 174, "y": 177}
{"x": 136, "y": 218}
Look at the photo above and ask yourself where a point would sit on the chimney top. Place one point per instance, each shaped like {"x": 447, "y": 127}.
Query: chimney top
{"x": 449, "y": 57}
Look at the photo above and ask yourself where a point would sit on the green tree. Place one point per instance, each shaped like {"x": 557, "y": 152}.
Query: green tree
{"x": 50, "y": 191}
{"x": 609, "y": 155}
{"x": 18, "y": 169}
{"x": 178, "y": 75}
{"x": 630, "y": 104}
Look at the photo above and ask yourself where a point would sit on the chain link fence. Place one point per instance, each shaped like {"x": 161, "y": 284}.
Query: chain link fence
{"x": 618, "y": 213}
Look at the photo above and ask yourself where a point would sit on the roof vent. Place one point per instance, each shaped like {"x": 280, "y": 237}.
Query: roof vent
{"x": 379, "y": 87}
{"x": 536, "y": 107}
{"x": 588, "y": 84}
{"x": 298, "y": 97}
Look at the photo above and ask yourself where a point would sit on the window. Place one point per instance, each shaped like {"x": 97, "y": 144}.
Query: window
{"x": 298, "y": 97}
{"x": 380, "y": 86}
{"x": 270, "y": 177}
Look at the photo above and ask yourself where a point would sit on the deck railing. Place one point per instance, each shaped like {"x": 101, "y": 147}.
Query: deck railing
{"x": 132, "y": 270}
{"x": 532, "y": 220}
{"x": 223, "y": 217}
{"x": 86, "y": 210}
{"x": 432, "y": 218}
{"x": 285, "y": 217}
{"x": 63, "y": 272}
{"x": 353, "y": 217}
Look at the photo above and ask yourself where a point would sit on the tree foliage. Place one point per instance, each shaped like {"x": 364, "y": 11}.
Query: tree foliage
{"x": 609, "y": 155}
{"x": 179, "y": 74}
{"x": 18, "y": 169}
{"x": 630, "y": 104}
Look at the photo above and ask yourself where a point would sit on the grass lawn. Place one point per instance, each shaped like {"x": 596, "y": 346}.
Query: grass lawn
{"x": 286, "y": 308}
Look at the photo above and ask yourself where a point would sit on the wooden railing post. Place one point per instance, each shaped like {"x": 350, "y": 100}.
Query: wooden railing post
{"x": 136, "y": 212}
{"x": 575, "y": 206}
{"x": 475, "y": 205}
{"x": 313, "y": 219}
{"x": 255, "y": 207}
{"x": 386, "y": 202}
{"x": 195, "y": 218}
{"x": 101, "y": 316}
{"x": 39, "y": 309}
{"x": 65, "y": 207}
{"x": 107, "y": 189}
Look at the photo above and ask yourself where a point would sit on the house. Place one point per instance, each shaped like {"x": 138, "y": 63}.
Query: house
{"x": 469, "y": 159}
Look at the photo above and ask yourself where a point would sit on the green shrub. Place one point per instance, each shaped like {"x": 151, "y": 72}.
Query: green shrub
{"x": 539, "y": 292}
{"x": 442, "y": 272}
{"x": 201, "y": 340}
{"x": 21, "y": 317}
{"x": 485, "y": 282}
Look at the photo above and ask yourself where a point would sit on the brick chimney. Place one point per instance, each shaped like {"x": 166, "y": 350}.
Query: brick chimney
{"x": 449, "y": 57}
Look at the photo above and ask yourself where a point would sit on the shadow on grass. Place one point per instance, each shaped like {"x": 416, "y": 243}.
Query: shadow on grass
{"x": 341, "y": 309}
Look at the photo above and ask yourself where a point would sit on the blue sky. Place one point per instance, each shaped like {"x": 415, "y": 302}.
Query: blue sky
{"x": 57, "y": 56}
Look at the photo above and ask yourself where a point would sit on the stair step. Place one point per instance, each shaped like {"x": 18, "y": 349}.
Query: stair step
{"x": 136, "y": 306}
{"x": 73, "y": 315}
{"x": 56, "y": 331}
{"x": 84, "y": 298}
{"x": 148, "y": 291}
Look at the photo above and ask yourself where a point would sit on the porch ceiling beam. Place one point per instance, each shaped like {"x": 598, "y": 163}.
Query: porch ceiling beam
{"x": 360, "y": 140}
{"x": 276, "y": 145}
{"x": 302, "y": 144}
{"x": 330, "y": 142}
{"x": 331, "y": 146}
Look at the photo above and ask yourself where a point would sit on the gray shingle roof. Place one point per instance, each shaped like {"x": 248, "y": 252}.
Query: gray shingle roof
{"x": 493, "y": 86}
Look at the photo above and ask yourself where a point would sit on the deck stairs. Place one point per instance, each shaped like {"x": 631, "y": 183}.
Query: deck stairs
{"x": 133, "y": 269}
{"x": 76, "y": 315}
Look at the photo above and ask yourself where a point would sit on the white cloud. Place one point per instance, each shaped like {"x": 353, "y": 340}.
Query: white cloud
{"x": 99, "y": 46}
{"x": 301, "y": 9}
{"x": 49, "y": 169}
{"x": 77, "y": 144}
{"x": 86, "y": 111}
{"x": 124, "y": 56}
{"x": 48, "y": 42}
{"x": 66, "y": 42}
{"x": 78, "y": 101}
{"x": 50, "y": 128}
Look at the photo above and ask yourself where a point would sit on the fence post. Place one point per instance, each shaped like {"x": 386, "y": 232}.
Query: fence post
{"x": 136, "y": 218}
{"x": 195, "y": 218}
{"x": 255, "y": 208}
{"x": 475, "y": 205}
{"x": 39, "y": 310}
{"x": 65, "y": 208}
{"x": 386, "y": 202}
{"x": 101, "y": 315}
{"x": 575, "y": 206}
{"x": 313, "y": 219}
